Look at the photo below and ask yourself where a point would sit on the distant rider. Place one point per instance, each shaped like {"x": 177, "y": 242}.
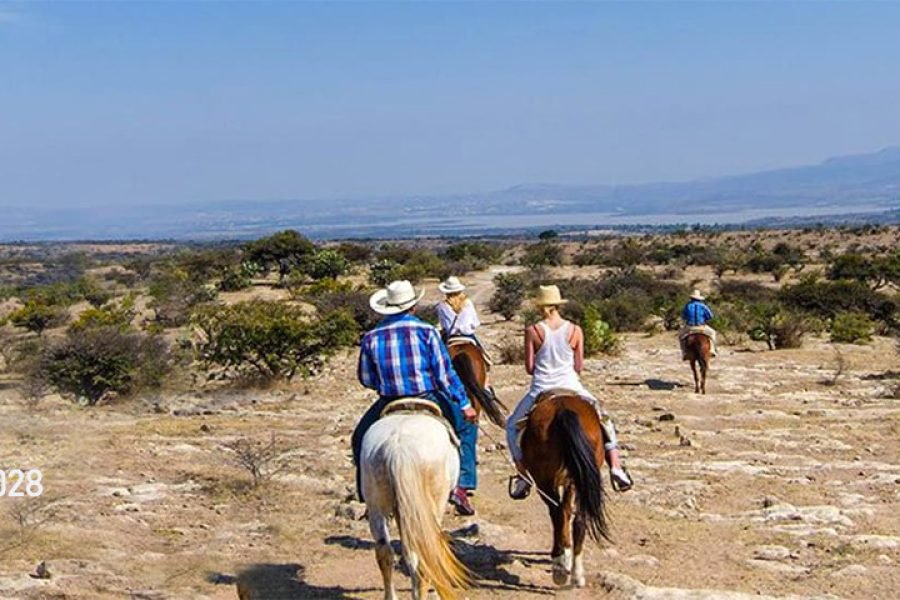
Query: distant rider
{"x": 696, "y": 314}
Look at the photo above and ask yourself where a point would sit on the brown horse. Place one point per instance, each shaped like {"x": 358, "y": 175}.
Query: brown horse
{"x": 697, "y": 348}
{"x": 562, "y": 448}
{"x": 469, "y": 363}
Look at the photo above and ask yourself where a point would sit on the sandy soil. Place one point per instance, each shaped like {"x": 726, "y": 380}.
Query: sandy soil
{"x": 778, "y": 484}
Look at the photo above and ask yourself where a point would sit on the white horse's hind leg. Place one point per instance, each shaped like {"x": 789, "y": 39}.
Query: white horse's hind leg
{"x": 578, "y": 579}
{"x": 384, "y": 555}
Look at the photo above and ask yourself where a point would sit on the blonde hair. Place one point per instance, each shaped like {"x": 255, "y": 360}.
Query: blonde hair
{"x": 457, "y": 301}
{"x": 548, "y": 309}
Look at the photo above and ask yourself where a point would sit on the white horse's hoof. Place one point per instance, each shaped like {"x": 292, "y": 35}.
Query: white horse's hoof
{"x": 561, "y": 576}
{"x": 579, "y": 581}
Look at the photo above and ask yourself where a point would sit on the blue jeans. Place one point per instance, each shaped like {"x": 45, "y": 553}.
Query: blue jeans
{"x": 467, "y": 433}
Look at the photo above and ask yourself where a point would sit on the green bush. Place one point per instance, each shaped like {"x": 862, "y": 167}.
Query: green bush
{"x": 329, "y": 296}
{"x": 92, "y": 363}
{"x": 235, "y": 279}
{"x": 599, "y": 337}
{"x": 37, "y": 316}
{"x": 269, "y": 340}
{"x": 325, "y": 264}
{"x": 508, "y": 295}
{"x": 285, "y": 247}
{"x": 828, "y": 298}
{"x": 852, "y": 328}
{"x": 543, "y": 254}
{"x": 627, "y": 300}
{"x": 91, "y": 290}
{"x": 174, "y": 294}
{"x": 355, "y": 253}
{"x": 118, "y": 316}
{"x": 778, "y": 327}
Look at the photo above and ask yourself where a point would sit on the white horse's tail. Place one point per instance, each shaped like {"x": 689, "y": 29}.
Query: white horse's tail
{"x": 417, "y": 489}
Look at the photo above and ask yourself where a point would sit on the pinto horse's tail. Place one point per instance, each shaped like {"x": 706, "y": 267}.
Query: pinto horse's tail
{"x": 420, "y": 531}
{"x": 581, "y": 463}
{"x": 490, "y": 404}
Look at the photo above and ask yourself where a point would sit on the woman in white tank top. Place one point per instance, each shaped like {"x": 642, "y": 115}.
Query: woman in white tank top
{"x": 554, "y": 356}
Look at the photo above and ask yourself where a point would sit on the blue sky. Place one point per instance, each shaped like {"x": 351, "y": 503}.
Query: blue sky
{"x": 161, "y": 103}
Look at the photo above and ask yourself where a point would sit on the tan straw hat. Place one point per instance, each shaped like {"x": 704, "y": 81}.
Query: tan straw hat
{"x": 451, "y": 285}
{"x": 397, "y": 297}
{"x": 548, "y": 295}
{"x": 696, "y": 295}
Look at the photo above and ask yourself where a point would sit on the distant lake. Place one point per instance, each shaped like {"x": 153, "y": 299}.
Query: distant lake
{"x": 475, "y": 223}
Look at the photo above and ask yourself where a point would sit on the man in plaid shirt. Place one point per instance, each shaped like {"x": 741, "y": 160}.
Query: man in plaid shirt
{"x": 404, "y": 356}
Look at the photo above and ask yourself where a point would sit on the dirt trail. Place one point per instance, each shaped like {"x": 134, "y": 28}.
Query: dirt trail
{"x": 775, "y": 485}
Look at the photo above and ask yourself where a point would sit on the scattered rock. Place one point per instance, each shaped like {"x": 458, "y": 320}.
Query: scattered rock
{"x": 41, "y": 571}
{"x": 771, "y": 553}
{"x": 667, "y": 417}
{"x": 354, "y": 511}
{"x": 851, "y": 571}
{"x": 643, "y": 560}
{"x": 770, "y": 501}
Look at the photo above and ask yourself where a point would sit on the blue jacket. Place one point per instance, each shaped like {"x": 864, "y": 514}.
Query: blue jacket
{"x": 696, "y": 313}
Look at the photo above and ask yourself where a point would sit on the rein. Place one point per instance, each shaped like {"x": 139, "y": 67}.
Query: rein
{"x": 526, "y": 475}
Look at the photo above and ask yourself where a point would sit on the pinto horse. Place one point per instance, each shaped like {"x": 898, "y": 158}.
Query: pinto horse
{"x": 409, "y": 466}
{"x": 469, "y": 363}
{"x": 697, "y": 349}
{"x": 562, "y": 448}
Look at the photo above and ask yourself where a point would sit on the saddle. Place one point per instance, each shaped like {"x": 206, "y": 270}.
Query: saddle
{"x": 522, "y": 423}
{"x": 696, "y": 329}
{"x": 420, "y": 406}
{"x": 459, "y": 340}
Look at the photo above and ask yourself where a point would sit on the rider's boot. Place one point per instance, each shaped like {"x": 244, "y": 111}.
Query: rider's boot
{"x": 618, "y": 475}
{"x": 460, "y": 499}
{"x": 519, "y": 487}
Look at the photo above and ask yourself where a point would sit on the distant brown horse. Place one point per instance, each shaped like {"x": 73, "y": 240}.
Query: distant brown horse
{"x": 697, "y": 348}
{"x": 562, "y": 448}
{"x": 469, "y": 363}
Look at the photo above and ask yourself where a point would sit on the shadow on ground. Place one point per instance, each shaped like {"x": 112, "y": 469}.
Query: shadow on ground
{"x": 489, "y": 565}
{"x": 657, "y": 385}
{"x": 282, "y": 582}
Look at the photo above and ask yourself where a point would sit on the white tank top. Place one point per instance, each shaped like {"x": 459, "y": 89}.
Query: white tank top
{"x": 554, "y": 362}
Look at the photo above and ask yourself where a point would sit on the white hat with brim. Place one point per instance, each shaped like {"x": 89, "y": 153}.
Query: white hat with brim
{"x": 548, "y": 295}
{"x": 696, "y": 295}
{"x": 397, "y": 297}
{"x": 451, "y": 285}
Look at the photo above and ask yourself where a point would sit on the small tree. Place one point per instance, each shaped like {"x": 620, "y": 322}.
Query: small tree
{"x": 599, "y": 337}
{"x": 117, "y": 315}
{"x": 543, "y": 254}
{"x": 852, "y": 328}
{"x": 325, "y": 264}
{"x": 36, "y": 316}
{"x": 271, "y": 340}
{"x": 94, "y": 362}
{"x": 508, "y": 296}
{"x": 287, "y": 247}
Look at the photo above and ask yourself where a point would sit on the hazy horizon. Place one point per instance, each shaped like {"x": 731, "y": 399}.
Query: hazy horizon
{"x": 143, "y": 104}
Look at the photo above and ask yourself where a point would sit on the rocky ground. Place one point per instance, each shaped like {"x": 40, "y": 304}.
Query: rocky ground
{"x": 782, "y": 482}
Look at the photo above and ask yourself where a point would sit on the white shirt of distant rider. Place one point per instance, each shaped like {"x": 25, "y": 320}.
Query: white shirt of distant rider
{"x": 466, "y": 322}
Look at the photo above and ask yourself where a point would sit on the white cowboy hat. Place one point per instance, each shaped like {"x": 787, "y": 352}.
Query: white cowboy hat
{"x": 451, "y": 285}
{"x": 696, "y": 295}
{"x": 548, "y": 295}
{"x": 397, "y": 297}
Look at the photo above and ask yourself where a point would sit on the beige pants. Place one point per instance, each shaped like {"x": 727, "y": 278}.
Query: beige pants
{"x": 705, "y": 330}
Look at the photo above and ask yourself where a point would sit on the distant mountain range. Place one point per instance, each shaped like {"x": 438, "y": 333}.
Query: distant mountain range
{"x": 865, "y": 185}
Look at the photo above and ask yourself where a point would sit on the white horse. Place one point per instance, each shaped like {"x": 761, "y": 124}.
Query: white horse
{"x": 409, "y": 465}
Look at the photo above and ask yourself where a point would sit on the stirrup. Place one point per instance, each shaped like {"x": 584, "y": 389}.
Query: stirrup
{"x": 514, "y": 491}
{"x": 617, "y": 484}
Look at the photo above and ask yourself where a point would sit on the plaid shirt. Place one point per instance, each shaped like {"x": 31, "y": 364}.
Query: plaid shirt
{"x": 404, "y": 356}
{"x": 696, "y": 313}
